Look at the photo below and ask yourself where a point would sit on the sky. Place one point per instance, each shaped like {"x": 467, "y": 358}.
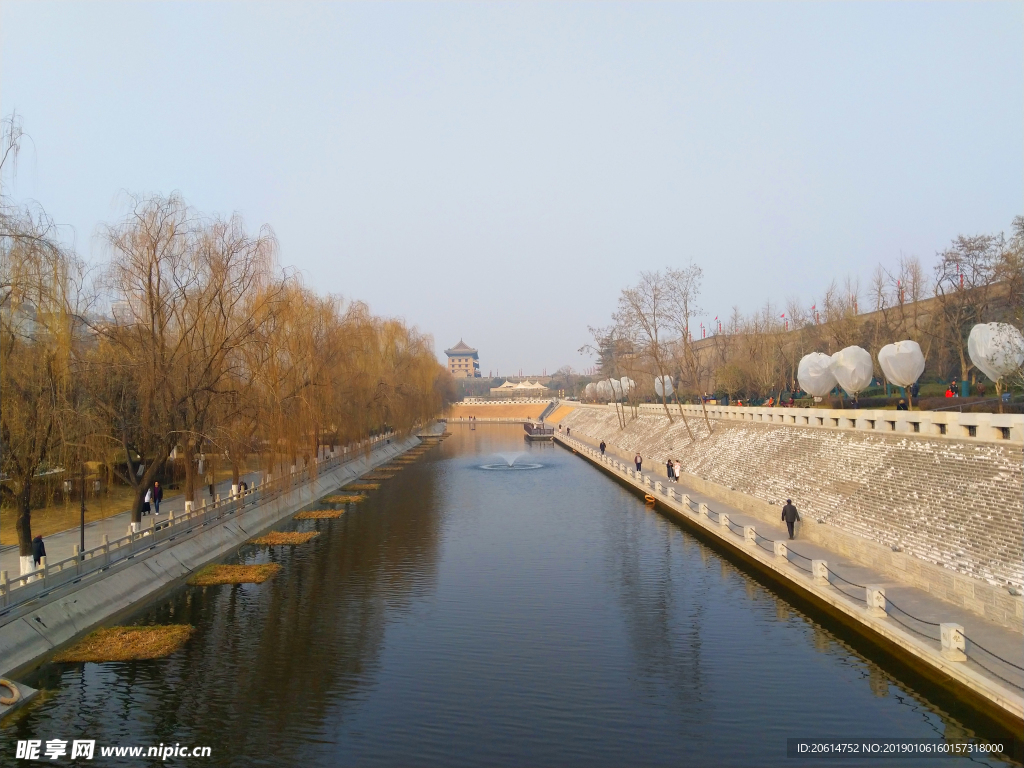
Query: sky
{"x": 500, "y": 172}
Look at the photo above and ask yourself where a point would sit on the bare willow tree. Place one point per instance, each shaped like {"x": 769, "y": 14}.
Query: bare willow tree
{"x": 41, "y": 304}
{"x": 964, "y": 278}
{"x": 645, "y": 312}
{"x": 682, "y": 289}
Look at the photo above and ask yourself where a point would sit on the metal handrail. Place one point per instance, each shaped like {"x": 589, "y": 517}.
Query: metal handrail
{"x": 38, "y": 583}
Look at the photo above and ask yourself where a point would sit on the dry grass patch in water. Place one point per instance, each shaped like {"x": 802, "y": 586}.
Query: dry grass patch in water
{"x": 378, "y": 476}
{"x": 212, "y": 575}
{"x": 284, "y": 539}
{"x": 344, "y": 498}
{"x": 320, "y": 514}
{"x": 128, "y": 643}
{"x": 362, "y": 487}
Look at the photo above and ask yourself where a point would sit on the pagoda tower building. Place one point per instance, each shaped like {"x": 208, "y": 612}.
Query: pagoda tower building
{"x": 463, "y": 361}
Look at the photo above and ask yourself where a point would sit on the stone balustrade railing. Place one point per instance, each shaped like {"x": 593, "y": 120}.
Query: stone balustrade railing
{"x": 983, "y": 427}
{"x": 952, "y": 641}
{"x": 50, "y": 575}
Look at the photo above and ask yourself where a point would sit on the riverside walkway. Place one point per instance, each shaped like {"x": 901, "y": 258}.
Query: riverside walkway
{"x": 60, "y": 546}
{"x": 994, "y": 653}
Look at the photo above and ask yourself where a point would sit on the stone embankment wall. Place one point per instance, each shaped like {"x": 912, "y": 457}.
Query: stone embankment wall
{"x": 953, "y": 503}
{"x": 522, "y": 411}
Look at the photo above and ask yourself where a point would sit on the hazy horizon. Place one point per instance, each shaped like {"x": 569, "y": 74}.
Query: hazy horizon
{"x": 498, "y": 173}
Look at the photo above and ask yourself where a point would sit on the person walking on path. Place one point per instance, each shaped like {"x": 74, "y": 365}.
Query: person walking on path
{"x": 678, "y": 467}
{"x": 38, "y": 550}
{"x": 147, "y": 501}
{"x": 158, "y": 496}
{"x": 790, "y": 515}
{"x": 209, "y": 482}
{"x": 638, "y": 461}
{"x": 602, "y": 446}
{"x": 670, "y": 472}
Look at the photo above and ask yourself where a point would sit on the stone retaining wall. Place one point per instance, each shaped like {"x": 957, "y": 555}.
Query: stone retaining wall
{"x": 954, "y": 504}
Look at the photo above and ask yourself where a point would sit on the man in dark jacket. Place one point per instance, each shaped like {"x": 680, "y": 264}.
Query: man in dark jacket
{"x": 790, "y": 515}
{"x": 602, "y": 446}
{"x": 38, "y": 549}
{"x": 638, "y": 461}
{"x": 158, "y": 496}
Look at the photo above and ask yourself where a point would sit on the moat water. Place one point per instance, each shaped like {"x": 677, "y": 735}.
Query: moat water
{"x": 477, "y": 611}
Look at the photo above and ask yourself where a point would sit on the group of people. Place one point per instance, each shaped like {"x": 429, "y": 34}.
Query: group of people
{"x": 153, "y": 498}
{"x": 674, "y": 470}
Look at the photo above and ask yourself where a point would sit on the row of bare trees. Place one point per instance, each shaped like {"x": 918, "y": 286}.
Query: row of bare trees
{"x": 190, "y": 340}
{"x": 976, "y": 279}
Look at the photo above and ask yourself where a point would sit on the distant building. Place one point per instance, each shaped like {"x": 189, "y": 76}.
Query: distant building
{"x": 463, "y": 361}
{"x": 522, "y": 389}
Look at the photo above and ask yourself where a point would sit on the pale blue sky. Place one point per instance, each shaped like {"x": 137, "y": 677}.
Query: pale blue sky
{"x": 499, "y": 172}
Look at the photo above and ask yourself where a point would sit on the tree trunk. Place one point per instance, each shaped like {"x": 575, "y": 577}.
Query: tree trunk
{"x": 190, "y": 471}
{"x": 681, "y": 413}
{"x": 24, "y": 520}
{"x": 706, "y": 419}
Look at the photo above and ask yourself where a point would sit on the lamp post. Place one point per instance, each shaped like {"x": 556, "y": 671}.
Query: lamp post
{"x": 81, "y": 525}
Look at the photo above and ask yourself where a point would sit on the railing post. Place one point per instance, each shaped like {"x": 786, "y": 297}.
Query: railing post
{"x": 5, "y": 589}
{"x": 704, "y": 511}
{"x": 188, "y": 507}
{"x": 105, "y": 543}
{"x": 781, "y": 550}
{"x": 686, "y": 501}
{"x": 954, "y": 644}
{"x": 876, "y": 601}
{"x": 42, "y": 567}
{"x": 750, "y": 535}
{"x": 77, "y": 554}
{"x": 819, "y": 570}
{"x": 723, "y": 519}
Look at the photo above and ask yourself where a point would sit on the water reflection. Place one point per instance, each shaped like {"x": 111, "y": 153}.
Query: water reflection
{"x": 465, "y": 617}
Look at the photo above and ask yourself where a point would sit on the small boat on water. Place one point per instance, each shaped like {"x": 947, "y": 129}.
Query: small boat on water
{"x": 538, "y": 431}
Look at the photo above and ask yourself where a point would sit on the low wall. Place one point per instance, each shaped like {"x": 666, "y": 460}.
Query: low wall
{"x": 942, "y": 515}
{"x": 522, "y": 411}
{"x": 41, "y": 626}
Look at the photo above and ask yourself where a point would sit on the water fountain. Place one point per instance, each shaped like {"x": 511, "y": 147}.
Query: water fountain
{"x": 511, "y": 463}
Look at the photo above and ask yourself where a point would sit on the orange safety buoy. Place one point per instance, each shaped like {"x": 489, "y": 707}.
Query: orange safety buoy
{"x": 648, "y": 498}
{"x": 13, "y": 688}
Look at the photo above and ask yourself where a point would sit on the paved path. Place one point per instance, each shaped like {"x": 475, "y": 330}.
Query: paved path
{"x": 995, "y": 638}
{"x": 61, "y": 545}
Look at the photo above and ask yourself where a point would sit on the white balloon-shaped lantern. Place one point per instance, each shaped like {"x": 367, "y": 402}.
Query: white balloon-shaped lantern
{"x": 616, "y": 386}
{"x": 588, "y": 391}
{"x": 815, "y": 374}
{"x": 853, "y": 369}
{"x": 604, "y": 390}
{"x": 627, "y": 385}
{"x": 996, "y": 349}
{"x": 663, "y": 386}
{"x": 902, "y": 362}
